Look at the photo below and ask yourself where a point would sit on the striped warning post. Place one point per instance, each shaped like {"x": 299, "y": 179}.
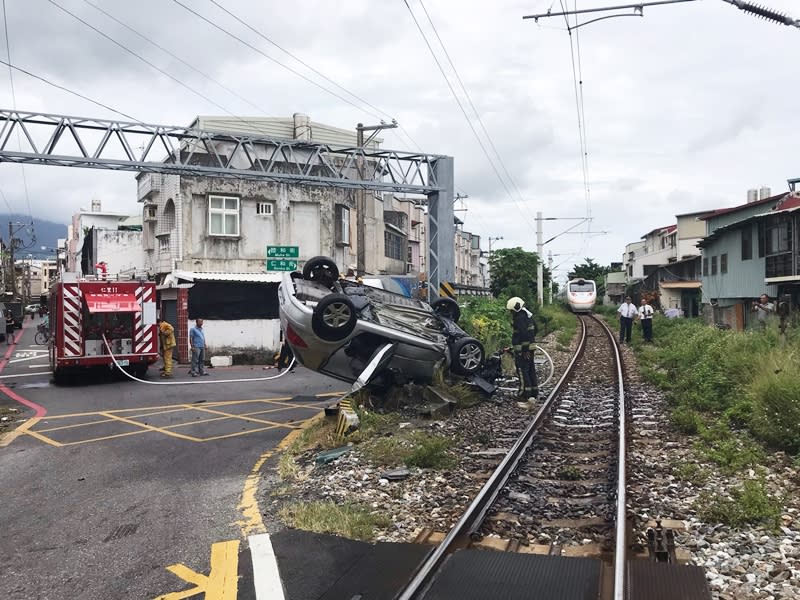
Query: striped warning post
{"x": 446, "y": 290}
{"x": 73, "y": 320}
{"x": 348, "y": 419}
{"x": 144, "y": 337}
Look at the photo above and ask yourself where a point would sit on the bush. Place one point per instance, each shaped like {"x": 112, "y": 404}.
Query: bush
{"x": 775, "y": 416}
{"x": 686, "y": 420}
{"x": 349, "y": 520}
{"x": 747, "y": 504}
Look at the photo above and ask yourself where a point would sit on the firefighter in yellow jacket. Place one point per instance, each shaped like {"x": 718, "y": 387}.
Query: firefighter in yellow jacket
{"x": 166, "y": 339}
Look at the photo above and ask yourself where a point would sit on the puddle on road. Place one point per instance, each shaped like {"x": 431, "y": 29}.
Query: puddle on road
{"x": 27, "y": 386}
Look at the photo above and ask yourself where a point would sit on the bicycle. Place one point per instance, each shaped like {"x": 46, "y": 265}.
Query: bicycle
{"x": 42, "y": 336}
{"x": 506, "y": 379}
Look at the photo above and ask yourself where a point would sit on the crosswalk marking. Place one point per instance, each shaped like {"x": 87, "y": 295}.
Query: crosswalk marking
{"x": 266, "y": 577}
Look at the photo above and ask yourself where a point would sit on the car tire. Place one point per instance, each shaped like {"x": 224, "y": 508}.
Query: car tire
{"x": 467, "y": 356}
{"x": 334, "y": 318}
{"x": 448, "y": 308}
{"x": 322, "y": 270}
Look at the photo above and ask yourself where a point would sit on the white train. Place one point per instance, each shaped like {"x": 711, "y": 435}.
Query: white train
{"x": 580, "y": 295}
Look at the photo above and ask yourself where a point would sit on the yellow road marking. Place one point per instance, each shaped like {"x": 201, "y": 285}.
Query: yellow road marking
{"x": 105, "y": 437}
{"x": 44, "y": 438}
{"x": 251, "y": 521}
{"x": 241, "y": 418}
{"x": 222, "y": 581}
{"x": 151, "y": 428}
{"x": 9, "y": 437}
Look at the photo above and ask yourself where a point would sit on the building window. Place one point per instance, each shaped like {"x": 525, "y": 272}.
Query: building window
{"x": 264, "y": 209}
{"x": 778, "y": 234}
{"x": 723, "y": 263}
{"x": 747, "y": 243}
{"x": 762, "y": 239}
{"x": 163, "y": 244}
{"x": 342, "y": 225}
{"x": 223, "y": 215}
{"x": 705, "y": 266}
{"x": 713, "y": 265}
{"x": 394, "y": 245}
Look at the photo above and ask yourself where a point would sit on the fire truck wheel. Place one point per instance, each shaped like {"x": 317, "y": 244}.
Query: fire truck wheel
{"x": 140, "y": 371}
{"x": 59, "y": 378}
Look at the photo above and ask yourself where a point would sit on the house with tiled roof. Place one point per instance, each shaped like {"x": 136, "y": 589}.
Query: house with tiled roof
{"x": 749, "y": 250}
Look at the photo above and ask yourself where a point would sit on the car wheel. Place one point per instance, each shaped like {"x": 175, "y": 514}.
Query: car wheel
{"x": 448, "y": 308}
{"x": 334, "y": 318}
{"x": 467, "y": 354}
{"x": 322, "y": 270}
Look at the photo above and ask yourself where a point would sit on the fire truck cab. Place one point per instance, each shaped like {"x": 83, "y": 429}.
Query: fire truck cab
{"x": 84, "y": 309}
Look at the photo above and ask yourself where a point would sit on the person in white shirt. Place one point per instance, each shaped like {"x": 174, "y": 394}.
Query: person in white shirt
{"x": 646, "y": 319}
{"x": 626, "y": 314}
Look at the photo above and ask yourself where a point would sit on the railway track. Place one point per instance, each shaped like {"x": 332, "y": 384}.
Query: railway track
{"x": 561, "y": 484}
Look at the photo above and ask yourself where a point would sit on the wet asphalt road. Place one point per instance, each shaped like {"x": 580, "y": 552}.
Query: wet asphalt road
{"x": 120, "y": 479}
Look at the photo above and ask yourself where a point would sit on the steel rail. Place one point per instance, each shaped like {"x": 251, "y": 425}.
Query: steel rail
{"x": 620, "y": 545}
{"x": 476, "y": 512}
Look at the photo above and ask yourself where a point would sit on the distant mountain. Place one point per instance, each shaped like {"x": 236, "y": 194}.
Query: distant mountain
{"x": 33, "y": 235}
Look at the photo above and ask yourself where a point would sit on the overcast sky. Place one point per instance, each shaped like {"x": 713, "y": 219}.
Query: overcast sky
{"x": 685, "y": 109}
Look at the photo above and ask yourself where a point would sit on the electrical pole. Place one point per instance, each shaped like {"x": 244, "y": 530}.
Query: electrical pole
{"x": 361, "y": 195}
{"x": 539, "y": 265}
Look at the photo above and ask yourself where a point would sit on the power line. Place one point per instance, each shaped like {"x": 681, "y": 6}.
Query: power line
{"x": 173, "y": 55}
{"x": 144, "y": 60}
{"x": 14, "y": 106}
{"x": 268, "y": 57}
{"x": 469, "y": 99}
{"x": 66, "y": 89}
{"x": 464, "y": 112}
{"x": 307, "y": 66}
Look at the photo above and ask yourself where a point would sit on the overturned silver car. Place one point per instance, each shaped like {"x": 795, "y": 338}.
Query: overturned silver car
{"x": 369, "y": 336}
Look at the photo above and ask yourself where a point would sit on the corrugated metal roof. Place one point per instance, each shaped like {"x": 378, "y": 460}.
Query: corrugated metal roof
{"x": 240, "y": 277}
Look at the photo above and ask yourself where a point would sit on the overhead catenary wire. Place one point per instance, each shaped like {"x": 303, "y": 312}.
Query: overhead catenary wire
{"x": 466, "y": 116}
{"x": 469, "y": 99}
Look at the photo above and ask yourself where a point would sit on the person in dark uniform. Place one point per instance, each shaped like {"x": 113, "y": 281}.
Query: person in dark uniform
{"x": 9, "y": 327}
{"x": 522, "y": 338}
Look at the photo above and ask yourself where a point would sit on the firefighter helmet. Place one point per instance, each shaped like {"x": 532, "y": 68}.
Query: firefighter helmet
{"x": 515, "y": 303}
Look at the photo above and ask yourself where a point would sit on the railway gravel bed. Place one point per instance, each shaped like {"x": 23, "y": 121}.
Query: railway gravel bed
{"x": 742, "y": 564}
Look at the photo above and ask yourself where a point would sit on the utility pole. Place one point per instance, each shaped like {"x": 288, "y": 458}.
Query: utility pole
{"x": 361, "y": 195}
{"x": 539, "y": 263}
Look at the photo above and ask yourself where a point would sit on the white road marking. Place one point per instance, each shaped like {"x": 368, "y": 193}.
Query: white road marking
{"x": 44, "y": 366}
{"x": 266, "y": 577}
{"x": 34, "y": 357}
{"x": 24, "y": 375}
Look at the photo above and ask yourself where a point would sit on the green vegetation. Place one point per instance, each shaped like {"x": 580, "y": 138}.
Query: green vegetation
{"x": 570, "y": 473}
{"x": 412, "y": 449}
{"x": 348, "y": 520}
{"x": 690, "y": 472}
{"x": 730, "y": 387}
{"x": 514, "y": 274}
{"x": 749, "y": 503}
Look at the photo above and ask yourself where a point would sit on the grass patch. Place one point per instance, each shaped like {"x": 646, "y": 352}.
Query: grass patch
{"x": 570, "y": 473}
{"x": 730, "y": 451}
{"x": 748, "y": 504}
{"x": 412, "y": 449}
{"x": 691, "y": 473}
{"x": 348, "y": 520}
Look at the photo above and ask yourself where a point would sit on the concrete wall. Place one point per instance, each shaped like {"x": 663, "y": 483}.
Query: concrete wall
{"x": 122, "y": 250}
{"x": 253, "y": 337}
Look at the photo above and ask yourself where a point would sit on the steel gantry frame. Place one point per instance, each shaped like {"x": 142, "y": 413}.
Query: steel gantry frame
{"x": 68, "y": 141}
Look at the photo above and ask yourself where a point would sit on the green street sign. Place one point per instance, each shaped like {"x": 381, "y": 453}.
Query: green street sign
{"x": 281, "y": 264}
{"x": 283, "y": 251}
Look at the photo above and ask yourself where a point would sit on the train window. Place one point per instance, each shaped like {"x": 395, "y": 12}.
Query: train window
{"x": 585, "y": 286}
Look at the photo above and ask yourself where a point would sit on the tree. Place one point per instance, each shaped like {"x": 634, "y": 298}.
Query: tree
{"x": 513, "y": 273}
{"x": 591, "y": 270}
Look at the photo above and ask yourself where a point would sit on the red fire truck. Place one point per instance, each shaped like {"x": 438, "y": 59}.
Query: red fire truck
{"x": 82, "y": 310}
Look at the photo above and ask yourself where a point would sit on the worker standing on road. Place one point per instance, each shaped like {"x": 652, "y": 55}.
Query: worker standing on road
{"x": 166, "y": 338}
{"x": 197, "y": 340}
{"x": 9, "y": 327}
{"x": 522, "y": 339}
